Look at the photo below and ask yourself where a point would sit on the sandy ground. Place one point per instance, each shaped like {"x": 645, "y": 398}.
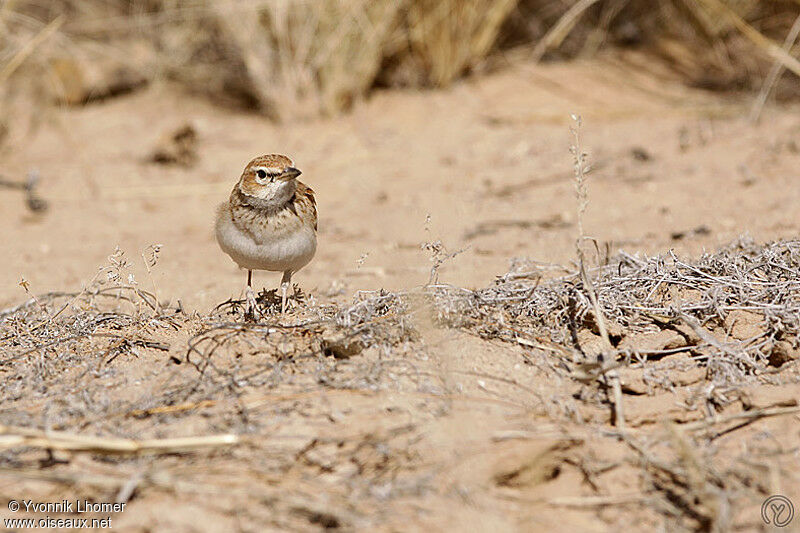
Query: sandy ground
{"x": 488, "y": 162}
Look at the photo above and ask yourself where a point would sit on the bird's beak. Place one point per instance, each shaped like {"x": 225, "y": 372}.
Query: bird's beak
{"x": 290, "y": 173}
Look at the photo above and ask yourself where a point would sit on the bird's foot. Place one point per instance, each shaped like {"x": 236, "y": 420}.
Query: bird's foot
{"x": 286, "y": 300}
{"x": 252, "y": 306}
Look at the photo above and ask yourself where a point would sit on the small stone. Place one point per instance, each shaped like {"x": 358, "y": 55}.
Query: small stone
{"x": 688, "y": 377}
{"x": 286, "y": 349}
{"x": 640, "y": 154}
{"x": 686, "y": 331}
{"x": 340, "y": 344}
{"x": 767, "y": 396}
{"x": 591, "y": 345}
{"x": 615, "y": 331}
{"x": 782, "y": 352}
{"x": 632, "y": 382}
{"x": 177, "y": 147}
{"x": 743, "y": 325}
{"x": 665, "y": 339}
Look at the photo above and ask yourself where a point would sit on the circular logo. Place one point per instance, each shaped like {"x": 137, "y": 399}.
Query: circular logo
{"x": 777, "y": 510}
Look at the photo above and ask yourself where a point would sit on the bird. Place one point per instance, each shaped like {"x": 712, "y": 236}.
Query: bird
{"x": 269, "y": 222}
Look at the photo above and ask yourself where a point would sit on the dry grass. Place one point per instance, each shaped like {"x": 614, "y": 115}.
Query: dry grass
{"x": 736, "y": 312}
{"x": 438, "y": 41}
{"x": 305, "y": 58}
{"x": 297, "y": 58}
{"x": 709, "y": 42}
{"x": 744, "y": 282}
{"x": 733, "y": 314}
{"x": 288, "y": 58}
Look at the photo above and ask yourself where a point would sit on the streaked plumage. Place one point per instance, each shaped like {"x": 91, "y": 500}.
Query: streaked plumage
{"x": 270, "y": 220}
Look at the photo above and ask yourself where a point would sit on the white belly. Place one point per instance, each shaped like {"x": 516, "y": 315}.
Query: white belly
{"x": 278, "y": 253}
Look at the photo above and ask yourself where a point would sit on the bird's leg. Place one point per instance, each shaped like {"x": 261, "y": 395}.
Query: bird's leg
{"x": 285, "y": 281}
{"x": 250, "y": 313}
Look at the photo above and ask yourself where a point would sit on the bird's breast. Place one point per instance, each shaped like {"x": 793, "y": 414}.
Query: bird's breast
{"x": 278, "y": 242}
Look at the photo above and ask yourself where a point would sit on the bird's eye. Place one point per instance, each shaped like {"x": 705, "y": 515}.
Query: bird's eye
{"x": 261, "y": 173}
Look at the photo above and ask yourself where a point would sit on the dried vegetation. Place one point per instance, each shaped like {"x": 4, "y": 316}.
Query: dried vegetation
{"x": 300, "y": 59}
{"x": 700, "y": 333}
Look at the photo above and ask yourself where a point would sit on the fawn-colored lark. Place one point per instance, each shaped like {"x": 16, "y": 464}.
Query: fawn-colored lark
{"x": 269, "y": 222}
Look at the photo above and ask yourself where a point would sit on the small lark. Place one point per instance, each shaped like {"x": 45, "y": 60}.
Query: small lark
{"x": 269, "y": 222}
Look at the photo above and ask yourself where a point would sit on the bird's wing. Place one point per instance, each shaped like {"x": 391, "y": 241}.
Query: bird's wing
{"x": 306, "y": 201}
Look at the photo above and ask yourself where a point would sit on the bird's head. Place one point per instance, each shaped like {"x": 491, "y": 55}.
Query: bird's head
{"x": 269, "y": 181}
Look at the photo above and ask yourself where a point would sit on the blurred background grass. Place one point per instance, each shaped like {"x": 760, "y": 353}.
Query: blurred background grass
{"x": 305, "y": 58}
